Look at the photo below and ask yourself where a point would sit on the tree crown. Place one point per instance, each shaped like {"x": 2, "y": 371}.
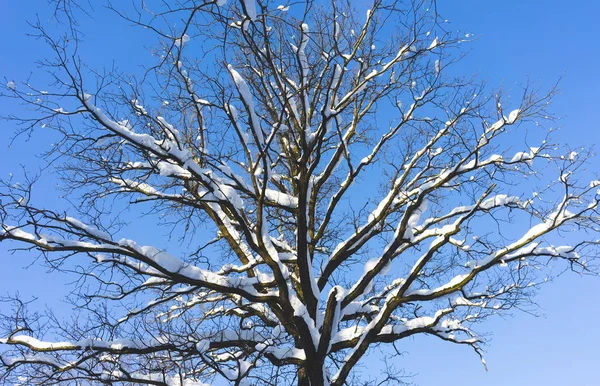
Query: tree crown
{"x": 337, "y": 191}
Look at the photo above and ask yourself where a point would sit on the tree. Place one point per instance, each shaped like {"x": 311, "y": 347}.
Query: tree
{"x": 332, "y": 187}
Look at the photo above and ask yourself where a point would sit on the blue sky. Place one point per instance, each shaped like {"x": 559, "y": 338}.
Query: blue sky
{"x": 516, "y": 41}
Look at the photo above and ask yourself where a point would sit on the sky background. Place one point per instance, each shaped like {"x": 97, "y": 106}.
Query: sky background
{"x": 516, "y": 41}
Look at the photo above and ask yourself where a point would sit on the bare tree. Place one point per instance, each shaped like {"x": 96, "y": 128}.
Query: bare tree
{"x": 337, "y": 190}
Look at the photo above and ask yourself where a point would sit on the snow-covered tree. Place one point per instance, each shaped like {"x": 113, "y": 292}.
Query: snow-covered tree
{"x": 329, "y": 186}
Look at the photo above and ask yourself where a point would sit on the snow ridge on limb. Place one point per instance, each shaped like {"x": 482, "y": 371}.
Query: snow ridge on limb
{"x": 246, "y": 96}
{"x": 146, "y": 259}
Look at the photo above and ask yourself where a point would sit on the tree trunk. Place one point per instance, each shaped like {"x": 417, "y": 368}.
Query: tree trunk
{"x": 303, "y": 377}
{"x": 311, "y": 375}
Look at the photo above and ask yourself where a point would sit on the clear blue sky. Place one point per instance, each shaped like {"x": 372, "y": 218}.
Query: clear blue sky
{"x": 517, "y": 40}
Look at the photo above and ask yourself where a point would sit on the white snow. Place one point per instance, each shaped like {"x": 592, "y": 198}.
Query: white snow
{"x": 414, "y": 218}
{"x": 513, "y": 116}
{"x": 281, "y": 198}
{"x": 302, "y": 53}
{"x": 246, "y": 96}
{"x": 250, "y": 6}
{"x": 168, "y": 169}
{"x": 232, "y": 196}
{"x": 182, "y": 40}
{"x": 119, "y": 344}
{"x": 573, "y": 155}
{"x": 95, "y": 232}
{"x": 426, "y": 292}
{"x": 283, "y": 352}
{"x": 433, "y": 44}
